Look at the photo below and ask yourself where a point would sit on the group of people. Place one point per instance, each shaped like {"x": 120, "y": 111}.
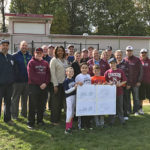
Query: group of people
{"x": 53, "y": 74}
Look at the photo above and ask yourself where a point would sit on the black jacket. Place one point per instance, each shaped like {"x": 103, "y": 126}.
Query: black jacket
{"x": 76, "y": 68}
{"x": 7, "y": 68}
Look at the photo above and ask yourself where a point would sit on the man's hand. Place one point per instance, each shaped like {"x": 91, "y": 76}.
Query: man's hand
{"x": 138, "y": 84}
{"x": 55, "y": 89}
{"x": 43, "y": 86}
{"x": 110, "y": 83}
{"x": 76, "y": 85}
{"x": 80, "y": 83}
{"x": 128, "y": 87}
{"x": 118, "y": 84}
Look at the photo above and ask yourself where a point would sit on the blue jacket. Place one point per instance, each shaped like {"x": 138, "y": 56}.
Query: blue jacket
{"x": 47, "y": 58}
{"x": 21, "y": 71}
{"x": 7, "y": 69}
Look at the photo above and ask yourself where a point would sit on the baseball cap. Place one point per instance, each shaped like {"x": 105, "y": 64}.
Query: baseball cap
{"x": 70, "y": 45}
{"x": 143, "y": 50}
{"x": 39, "y": 49}
{"x": 4, "y": 41}
{"x": 112, "y": 60}
{"x": 108, "y": 48}
{"x": 129, "y": 48}
{"x": 84, "y": 49}
{"x": 51, "y": 46}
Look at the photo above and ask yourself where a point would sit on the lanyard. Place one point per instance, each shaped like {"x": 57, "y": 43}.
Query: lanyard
{"x": 25, "y": 62}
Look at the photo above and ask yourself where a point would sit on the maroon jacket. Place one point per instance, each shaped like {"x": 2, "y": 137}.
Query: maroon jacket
{"x": 104, "y": 66}
{"x": 135, "y": 71}
{"x": 38, "y": 72}
{"x": 146, "y": 70}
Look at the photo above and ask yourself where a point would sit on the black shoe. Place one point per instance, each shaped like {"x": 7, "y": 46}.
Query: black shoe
{"x": 10, "y": 122}
{"x": 15, "y": 118}
{"x": 123, "y": 124}
{"x": 68, "y": 131}
{"x": 102, "y": 126}
{"x": 41, "y": 123}
{"x": 111, "y": 124}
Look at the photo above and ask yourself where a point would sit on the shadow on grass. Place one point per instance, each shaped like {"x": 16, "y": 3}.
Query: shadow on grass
{"x": 135, "y": 135}
{"x": 19, "y": 130}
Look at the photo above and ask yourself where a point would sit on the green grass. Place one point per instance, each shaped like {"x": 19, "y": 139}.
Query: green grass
{"x": 134, "y": 136}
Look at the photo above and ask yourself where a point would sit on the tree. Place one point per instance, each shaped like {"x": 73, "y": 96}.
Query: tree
{"x": 70, "y": 16}
{"x": 25, "y": 6}
{"x": 116, "y": 17}
{"x": 78, "y": 11}
{"x": 60, "y": 23}
{"x": 144, "y": 8}
{"x": 109, "y": 17}
{"x": 2, "y": 7}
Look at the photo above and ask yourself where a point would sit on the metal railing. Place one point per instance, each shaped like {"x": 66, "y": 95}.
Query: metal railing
{"x": 78, "y": 46}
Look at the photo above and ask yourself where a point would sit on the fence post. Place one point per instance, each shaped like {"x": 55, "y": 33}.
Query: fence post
{"x": 32, "y": 44}
{"x": 80, "y": 47}
{"x": 65, "y": 44}
{"x": 14, "y": 47}
{"x": 97, "y": 46}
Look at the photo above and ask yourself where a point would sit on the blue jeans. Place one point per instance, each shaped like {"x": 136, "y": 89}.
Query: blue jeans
{"x": 119, "y": 110}
{"x": 136, "y": 102}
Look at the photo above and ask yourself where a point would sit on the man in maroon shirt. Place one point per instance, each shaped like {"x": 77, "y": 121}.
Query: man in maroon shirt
{"x": 38, "y": 79}
{"x": 104, "y": 66}
{"x": 115, "y": 76}
{"x": 144, "y": 90}
{"x": 135, "y": 73}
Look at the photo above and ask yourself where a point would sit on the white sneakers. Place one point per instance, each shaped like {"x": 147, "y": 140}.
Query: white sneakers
{"x": 126, "y": 118}
{"x": 141, "y": 111}
{"x": 136, "y": 114}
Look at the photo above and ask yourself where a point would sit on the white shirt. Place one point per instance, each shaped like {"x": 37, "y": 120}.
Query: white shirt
{"x": 57, "y": 69}
{"x": 84, "y": 78}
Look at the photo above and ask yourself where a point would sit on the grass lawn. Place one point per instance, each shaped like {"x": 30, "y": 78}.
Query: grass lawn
{"x": 134, "y": 136}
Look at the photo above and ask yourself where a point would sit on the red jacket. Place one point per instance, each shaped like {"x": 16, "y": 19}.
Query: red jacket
{"x": 146, "y": 70}
{"x": 135, "y": 70}
{"x": 104, "y": 66}
{"x": 38, "y": 72}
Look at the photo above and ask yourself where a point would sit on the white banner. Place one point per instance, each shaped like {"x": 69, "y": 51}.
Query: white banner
{"x": 96, "y": 100}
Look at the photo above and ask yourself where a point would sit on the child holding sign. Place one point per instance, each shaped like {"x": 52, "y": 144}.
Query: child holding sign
{"x": 98, "y": 80}
{"x": 116, "y": 76}
{"x": 84, "y": 78}
{"x": 69, "y": 87}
